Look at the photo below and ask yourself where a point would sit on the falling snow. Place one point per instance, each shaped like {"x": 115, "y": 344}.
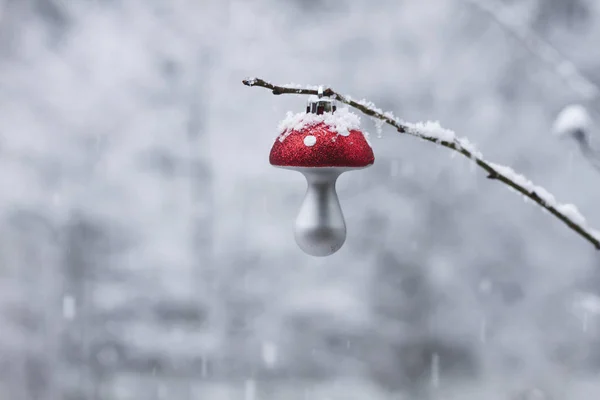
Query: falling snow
{"x": 250, "y": 389}
{"x": 269, "y": 354}
{"x": 68, "y": 307}
{"x": 435, "y": 370}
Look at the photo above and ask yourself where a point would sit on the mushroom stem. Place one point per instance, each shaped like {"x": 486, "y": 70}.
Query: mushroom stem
{"x": 320, "y": 228}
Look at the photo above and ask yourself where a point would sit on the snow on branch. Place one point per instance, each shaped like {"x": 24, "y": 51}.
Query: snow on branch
{"x": 573, "y": 121}
{"x": 433, "y": 132}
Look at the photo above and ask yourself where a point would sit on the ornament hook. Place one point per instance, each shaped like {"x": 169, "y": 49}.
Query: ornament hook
{"x": 320, "y": 104}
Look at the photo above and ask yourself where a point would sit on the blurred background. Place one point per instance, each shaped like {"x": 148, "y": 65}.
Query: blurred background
{"x": 146, "y": 244}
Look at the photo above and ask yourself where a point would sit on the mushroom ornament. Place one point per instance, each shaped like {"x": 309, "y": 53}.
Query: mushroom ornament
{"x": 321, "y": 143}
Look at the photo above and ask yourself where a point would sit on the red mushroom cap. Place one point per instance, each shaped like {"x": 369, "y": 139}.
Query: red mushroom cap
{"x": 327, "y": 140}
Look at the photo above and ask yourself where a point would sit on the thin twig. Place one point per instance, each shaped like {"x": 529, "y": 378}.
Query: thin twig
{"x": 544, "y": 51}
{"x": 567, "y": 213}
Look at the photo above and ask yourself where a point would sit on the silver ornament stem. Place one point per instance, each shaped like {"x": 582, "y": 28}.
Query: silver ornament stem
{"x": 320, "y": 228}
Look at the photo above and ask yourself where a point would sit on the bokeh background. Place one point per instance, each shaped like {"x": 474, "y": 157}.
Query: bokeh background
{"x": 146, "y": 245}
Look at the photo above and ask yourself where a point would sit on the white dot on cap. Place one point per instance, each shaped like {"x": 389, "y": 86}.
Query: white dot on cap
{"x": 310, "y": 140}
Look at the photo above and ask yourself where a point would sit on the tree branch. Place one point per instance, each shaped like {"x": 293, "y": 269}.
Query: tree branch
{"x": 432, "y": 132}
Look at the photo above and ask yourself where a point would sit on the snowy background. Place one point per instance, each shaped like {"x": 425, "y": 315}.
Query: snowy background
{"x": 146, "y": 245}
